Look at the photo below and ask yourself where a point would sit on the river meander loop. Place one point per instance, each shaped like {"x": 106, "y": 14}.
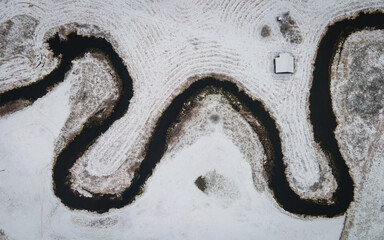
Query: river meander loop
{"x": 321, "y": 116}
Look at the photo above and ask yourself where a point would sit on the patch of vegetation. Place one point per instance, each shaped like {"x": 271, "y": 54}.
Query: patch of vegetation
{"x": 3, "y": 236}
{"x": 14, "y": 106}
{"x": 215, "y": 184}
{"x": 214, "y": 118}
{"x": 13, "y": 36}
{"x": 265, "y": 31}
{"x": 365, "y": 90}
{"x": 318, "y": 185}
{"x": 289, "y": 28}
{"x": 95, "y": 91}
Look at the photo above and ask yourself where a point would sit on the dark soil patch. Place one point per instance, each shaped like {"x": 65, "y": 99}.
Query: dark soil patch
{"x": 265, "y": 31}
{"x": 201, "y": 183}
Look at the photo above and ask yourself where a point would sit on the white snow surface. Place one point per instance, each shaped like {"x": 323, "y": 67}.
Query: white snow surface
{"x": 284, "y": 63}
{"x": 163, "y": 44}
{"x": 171, "y": 207}
{"x": 362, "y": 139}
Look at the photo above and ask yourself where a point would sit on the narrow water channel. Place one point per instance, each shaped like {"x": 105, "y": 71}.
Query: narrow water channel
{"x": 321, "y": 116}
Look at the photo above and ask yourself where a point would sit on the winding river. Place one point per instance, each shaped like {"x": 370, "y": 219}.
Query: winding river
{"x": 321, "y": 116}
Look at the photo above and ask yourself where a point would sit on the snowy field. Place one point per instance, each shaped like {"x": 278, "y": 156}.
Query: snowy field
{"x": 164, "y": 45}
{"x": 358, "y": 87}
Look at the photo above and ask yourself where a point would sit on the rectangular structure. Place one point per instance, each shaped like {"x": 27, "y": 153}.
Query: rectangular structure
{"x": 284, "y": 63}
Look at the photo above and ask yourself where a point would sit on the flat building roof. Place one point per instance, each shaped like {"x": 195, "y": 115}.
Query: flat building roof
{"x": 284, "y": 63}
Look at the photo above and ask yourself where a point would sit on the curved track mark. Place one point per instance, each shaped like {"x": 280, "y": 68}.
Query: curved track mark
{"x": 322, "y": 118}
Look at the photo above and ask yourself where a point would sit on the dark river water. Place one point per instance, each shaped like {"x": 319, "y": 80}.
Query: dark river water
{"x": 321, "y": 116}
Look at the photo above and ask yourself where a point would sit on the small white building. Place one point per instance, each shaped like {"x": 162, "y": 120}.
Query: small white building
{"x": 284, "y": 63}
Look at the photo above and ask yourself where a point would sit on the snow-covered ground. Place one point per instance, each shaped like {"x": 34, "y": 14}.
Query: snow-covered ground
{"x": 171, "y": 207}
{"x": 164, "y": 44}
{"x": 358, "y": 99}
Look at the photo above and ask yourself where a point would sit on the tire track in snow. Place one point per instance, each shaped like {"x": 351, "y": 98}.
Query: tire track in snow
{"x": 289, "y": 200}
